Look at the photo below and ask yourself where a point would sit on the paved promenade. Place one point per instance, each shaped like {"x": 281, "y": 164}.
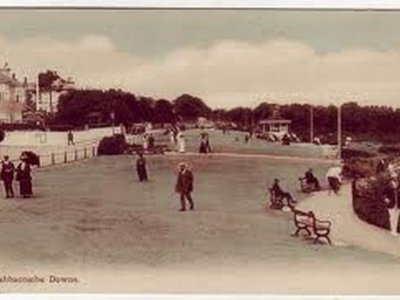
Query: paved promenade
{"x": 347, "y": 228}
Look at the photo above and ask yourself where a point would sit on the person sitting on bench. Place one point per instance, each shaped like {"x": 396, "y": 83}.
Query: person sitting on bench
{"x": 311, "y": 179}
{"x": 280, "y": 193}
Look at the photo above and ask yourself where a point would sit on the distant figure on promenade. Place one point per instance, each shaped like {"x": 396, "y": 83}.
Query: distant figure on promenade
{"x": 348, "y": 141}
{"x": 181, "y": 142}
{"x": 70, "y": 138}
{"x": 145, "y": 142}
{"x": 311, "y": 179}
{"x": 24, "y": 177}
{"x": 246, "y": 138}
{"x": 204, "y": 143}
{"x": 317, "y": 141}
{"x": 334, "y": 177}
{"x": 381, "y": 167}
{"x": 277, "y": 190}
{"x": 172, "y": 140}
{"x": 391, "y": 170}
{"x": 184, "y": 186}
{"x": 141, "y": 168}
{"x": 7, "y": 175}
{"x": 393, "y": 205}
{"x": 151, "y": 142}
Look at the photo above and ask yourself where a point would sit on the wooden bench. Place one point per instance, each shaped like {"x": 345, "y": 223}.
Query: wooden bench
{"x": 278, "y": 202}
{"x": 306, "y": 187}
{"x": 306, "y": 221}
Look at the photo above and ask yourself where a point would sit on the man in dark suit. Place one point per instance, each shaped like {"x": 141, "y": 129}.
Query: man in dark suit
{"x": 7, "y": 175}
{"x": 311, "y": 179}
{"x": 184, "y": 186}
{"x": 281, "y": 193}
{"x": 141, "y": 168}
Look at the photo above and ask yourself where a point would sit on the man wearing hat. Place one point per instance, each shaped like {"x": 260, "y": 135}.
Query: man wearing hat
{"x": 184, "y": 186}
{"x": 7, "y": 175}
{"x": 281, "y": 193}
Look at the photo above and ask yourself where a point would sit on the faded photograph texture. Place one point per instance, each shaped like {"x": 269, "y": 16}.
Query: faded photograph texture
{"x": 199, "y": 151}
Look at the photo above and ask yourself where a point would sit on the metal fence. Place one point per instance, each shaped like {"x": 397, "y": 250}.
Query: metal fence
{"x": 54, "y": 154}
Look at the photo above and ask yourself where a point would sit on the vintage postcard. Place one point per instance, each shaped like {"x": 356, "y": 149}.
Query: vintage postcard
{"x": 199, "y": 151}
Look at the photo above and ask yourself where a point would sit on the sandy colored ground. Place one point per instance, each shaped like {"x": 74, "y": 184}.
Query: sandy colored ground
{"x": 92, "y": 220}
{"x": 347, "y": 228}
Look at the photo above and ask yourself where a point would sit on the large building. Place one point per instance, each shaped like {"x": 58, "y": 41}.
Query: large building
{"x": 12, "y": 96}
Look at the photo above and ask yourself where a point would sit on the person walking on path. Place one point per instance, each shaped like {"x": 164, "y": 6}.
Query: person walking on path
{"x": 141, "y": 168}
{"x": 24, "y": 177}
{"x": 204, "y": 143}
{"x": 311, "y": 179}
{"x": 334, "y": 177}
{"x": 70, "y": 138}
{"x": 181, "y": 142}
{"x": 184, "y": 186}
{"x": 7, "y": 175}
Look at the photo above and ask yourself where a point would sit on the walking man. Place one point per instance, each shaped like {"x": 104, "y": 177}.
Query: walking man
{"x": 70, "y": 138}
{"x": 141, "y": 168}
{"x": 24, "y": 176}
{"x": 184, "y": 186}
{"x": 7, "y": 175}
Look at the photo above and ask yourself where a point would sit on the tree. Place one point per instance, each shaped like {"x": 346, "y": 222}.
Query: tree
{"x": 46, "y": 81}
{"x": 190, "y": 108}
{"x": 263, "y": 111}
{"x": 163, "y": 112}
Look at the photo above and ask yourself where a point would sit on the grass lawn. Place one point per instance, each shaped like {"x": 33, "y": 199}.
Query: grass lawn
{"x": 233, "y": 142}
{"x": 95, "y": 214}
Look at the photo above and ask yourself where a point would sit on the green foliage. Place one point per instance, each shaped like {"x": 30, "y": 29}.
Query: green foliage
{"x": 112, "y": 145}
{"x": 46, "y": 80}
{"x": 77, "y": 106}
{"x": 357, "y": 167}
{"x": 389, "y": 149}
{"x": 189, "y": 108}
{"x": 368, "y": 202}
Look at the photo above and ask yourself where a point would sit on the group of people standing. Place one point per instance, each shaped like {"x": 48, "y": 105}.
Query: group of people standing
{"x": 22, "y": 173}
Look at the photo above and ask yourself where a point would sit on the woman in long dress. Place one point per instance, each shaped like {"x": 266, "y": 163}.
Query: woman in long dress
{"x": 181, "y": 142}
{"x": 24, "y": 177}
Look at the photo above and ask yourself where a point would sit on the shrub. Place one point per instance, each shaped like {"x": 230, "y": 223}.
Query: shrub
{"x": 359, "y": 168}
{"x": 368, "y": 202}
{"x": 354, "y": 153}
{"x": 112, "y": 145}
{"x": 389, "y": 149}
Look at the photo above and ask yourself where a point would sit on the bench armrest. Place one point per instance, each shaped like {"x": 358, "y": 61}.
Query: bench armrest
{"x": 324, "y": 223}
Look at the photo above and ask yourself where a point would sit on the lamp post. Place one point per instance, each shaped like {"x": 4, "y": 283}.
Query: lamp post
{"x": 311, "y": 124}
{"x": 339, "y": 131}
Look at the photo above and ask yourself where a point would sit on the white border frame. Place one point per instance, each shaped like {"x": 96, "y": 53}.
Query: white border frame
{"x": 272, "y": 4}
{"x": 196, "y": 4}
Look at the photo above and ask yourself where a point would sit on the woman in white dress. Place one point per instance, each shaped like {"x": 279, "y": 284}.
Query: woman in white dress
{"x": 181, "y": 142}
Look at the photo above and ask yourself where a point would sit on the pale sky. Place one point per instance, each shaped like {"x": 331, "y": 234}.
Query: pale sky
{"x": 226, "y": 57}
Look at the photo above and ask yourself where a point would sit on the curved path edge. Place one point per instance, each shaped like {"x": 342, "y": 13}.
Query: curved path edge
{"x": 347, "y": 228}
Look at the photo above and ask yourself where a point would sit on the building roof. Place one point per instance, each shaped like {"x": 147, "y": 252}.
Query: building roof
{"x": 275, "y": 121}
